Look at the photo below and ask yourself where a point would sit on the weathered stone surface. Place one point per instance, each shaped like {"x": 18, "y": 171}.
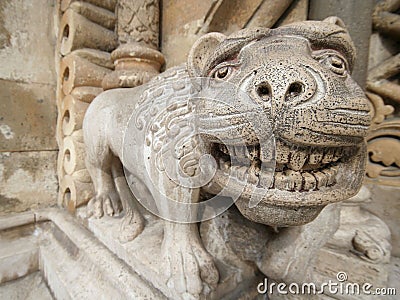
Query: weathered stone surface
{"x": 75, "y": 190}
{"x": 27, "y": 180}
{"x": 359, "y": 27}
{"x": 18, "y": 257}
{"x": 385, "y": 203}
{"x": 76, "y": 71}
{"x": 180, "y": 27}
{"x": 73, "y": 264}
{"x": 101, "y": 58}
{"x": 31, "y": 287}
{"x": 27, "y": 40}
{"x": 15, "y": 220}
{"x": 72, "y": 114}
{"x": 330, "y": 262}
{"x": 360, "y": 247}
{"x": 85, "y": 93}
{"x": 268, "y": 13}
{"x": 106, "y": 4}
{"x": 381, "y": 48}
{"x": 383, "y": 139}
{"x": 230, "y": 16}
{"x": 138, "y": 22}
{"x": 394, "y": 275}
{"x": 137, "y": 59}
{"x": 135, "y": 64}
{"x": 238, "y": 278}
{"x": 95, "y": 13}
{"x": 77, "y": 32}
{"x": 27, "y": 116}
{"x": 297, "y": 83}
{"x": 297, "y": 12}
{"x": 76, "y": 264}
{"x": 386, "y": 19}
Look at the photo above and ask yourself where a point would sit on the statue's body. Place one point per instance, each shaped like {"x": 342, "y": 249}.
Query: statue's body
{"x": 299, "y": 77}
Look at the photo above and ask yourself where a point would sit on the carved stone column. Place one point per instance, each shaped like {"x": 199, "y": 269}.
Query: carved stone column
{"x": 137, "y": 59}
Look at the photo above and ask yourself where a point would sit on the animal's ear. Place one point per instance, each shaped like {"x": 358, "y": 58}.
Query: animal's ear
{"x": 335, "y": 20}
{"x": 201, "y": 51}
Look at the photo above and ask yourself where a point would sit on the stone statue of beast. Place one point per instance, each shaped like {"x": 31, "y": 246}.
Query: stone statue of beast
{"x": 299, "y": 75}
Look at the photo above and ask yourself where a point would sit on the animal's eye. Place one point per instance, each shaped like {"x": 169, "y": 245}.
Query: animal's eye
{"x": 222, "y": 72}
{"x": 337, "y": 64}
{"x": 333, "y": 62}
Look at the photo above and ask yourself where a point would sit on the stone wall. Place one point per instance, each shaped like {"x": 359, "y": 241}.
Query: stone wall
{"x": 28, "y": 147}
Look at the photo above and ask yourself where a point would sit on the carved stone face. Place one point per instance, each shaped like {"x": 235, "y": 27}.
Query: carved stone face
{"x": 299, "y": 77}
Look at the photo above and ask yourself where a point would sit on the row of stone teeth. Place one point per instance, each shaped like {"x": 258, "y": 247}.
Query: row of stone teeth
{"x": 288, "y": 180}
{"x": 293, "y": 158}
{"x": 296, "y": 158}
{"x": 241, "y": 152}
{"x": 305, "y": 181}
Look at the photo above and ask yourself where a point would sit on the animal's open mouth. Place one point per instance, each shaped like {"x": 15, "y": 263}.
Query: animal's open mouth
{"x": 297, "y": 168}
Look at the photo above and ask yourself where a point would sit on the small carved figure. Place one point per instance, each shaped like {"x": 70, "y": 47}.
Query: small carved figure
{"x": 299, "y": 77}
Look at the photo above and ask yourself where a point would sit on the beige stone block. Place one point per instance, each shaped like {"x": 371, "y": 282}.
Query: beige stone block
{"x": 16, "y": 220}
{"x": 77, "y": 32}
{"x": 385, "y": 203}
{"x": 18, "y": 258}
{"x": 75, "y": 190}
{"x": 233, "y": 15}
{"x": 31, "y": 287}
{"x": 180, "y": 24}
{"x": 95, "y": 14}
{"x": 107, "y": 4}
{"x": 27, "y": 116}
{"x": 77, "y": 266}
{"x": 86, "y": 93}
{"x": 27, "y": 40}
{"x": 73, "y": 113}
{"x": 297, "y": 12}
{"x": 331, "y": 262}
{"x": 100, "y": 58}
{"x": 74, "y": 155}
{"x": 59, "y": 126}
{"x": 27, "y": 180}
{"x": 76, "y": 72}
{"x": 268, "y": 13}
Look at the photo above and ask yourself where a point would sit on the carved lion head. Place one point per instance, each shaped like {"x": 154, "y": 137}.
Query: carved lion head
{"x": 299, "y": 76}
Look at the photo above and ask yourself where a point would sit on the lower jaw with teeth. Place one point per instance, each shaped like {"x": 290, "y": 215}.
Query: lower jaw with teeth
{"x": 297, "y": 191}
{"x": 289, "y": 174}
{"x": 288, "y": 180}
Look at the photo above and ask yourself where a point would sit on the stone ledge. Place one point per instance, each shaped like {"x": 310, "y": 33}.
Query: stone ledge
{"x": 74, "y": 263}
{"x": 143, "y": 255}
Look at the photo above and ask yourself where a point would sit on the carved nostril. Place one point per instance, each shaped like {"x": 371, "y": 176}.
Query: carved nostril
{"x": 264, "y": 92}
{"x": 295, "y": 89}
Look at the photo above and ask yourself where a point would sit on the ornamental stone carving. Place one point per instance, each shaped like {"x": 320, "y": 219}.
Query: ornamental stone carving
{"x": 276, "y": 119}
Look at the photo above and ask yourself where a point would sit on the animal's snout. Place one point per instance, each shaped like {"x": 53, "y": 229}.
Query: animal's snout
{"x": 294, "y": 89}
{"x": 285, "y": 85}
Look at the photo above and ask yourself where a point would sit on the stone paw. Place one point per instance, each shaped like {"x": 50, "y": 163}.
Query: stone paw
{"x": 190, "y": 270}
{"x": 104, "y": 204}
{"x": 132, "y": 225}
